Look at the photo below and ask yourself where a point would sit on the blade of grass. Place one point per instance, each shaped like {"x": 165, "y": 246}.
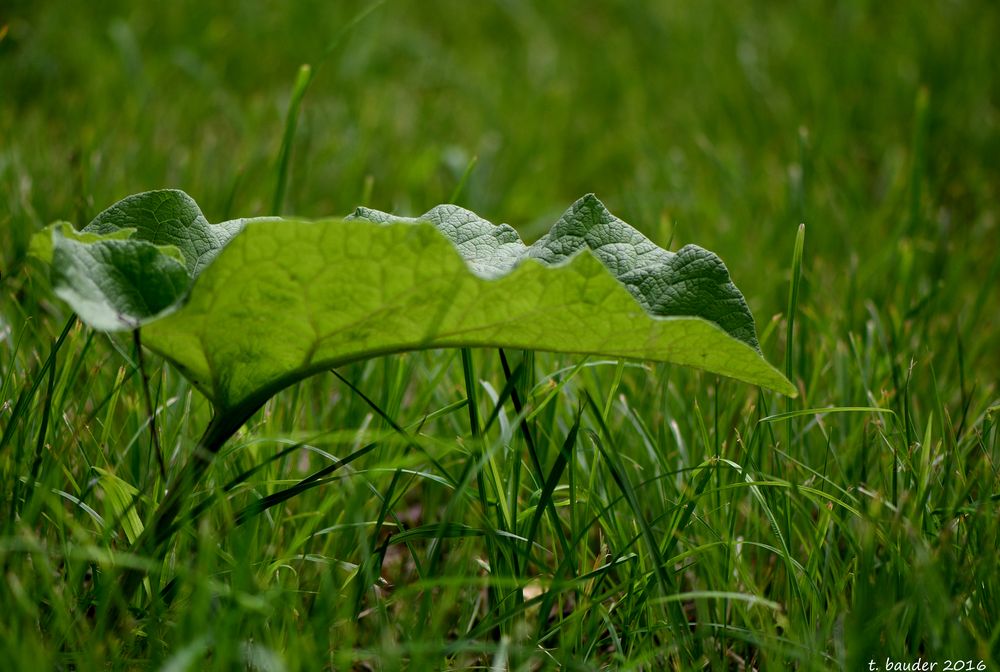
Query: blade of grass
{"x": 793, "y": 300}
{"x": 529, "y": 441}
{"x": 36, "y": 462}
{"x": 659, "y": 573}
{"x": 21, "y": 405}
{"x": 545, "y": 497}
{"x": 825, "y": 410}
{"x": 315, "y": 479}
{"x": 302, "y": 81}
{"x": 460, "y": 187}
{"x": 395, "y": 426}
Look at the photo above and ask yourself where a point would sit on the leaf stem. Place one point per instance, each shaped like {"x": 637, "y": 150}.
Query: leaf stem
{"x": 150, "y": 411}
{"x": 161, "y": 528}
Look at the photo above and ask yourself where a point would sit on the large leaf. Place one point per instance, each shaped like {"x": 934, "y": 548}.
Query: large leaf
{"x": 287, "y": 298}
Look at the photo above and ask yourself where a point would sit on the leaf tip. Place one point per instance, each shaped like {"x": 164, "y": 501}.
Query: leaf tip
{"x": 590, "y": 201}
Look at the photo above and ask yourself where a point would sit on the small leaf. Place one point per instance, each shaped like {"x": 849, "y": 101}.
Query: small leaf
{"x": 41, "y": 243}
{"x": 114, "y": 286}
{"x": 113, "y": 282}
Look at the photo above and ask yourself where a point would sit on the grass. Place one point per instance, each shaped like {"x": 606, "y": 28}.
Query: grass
{"x": 523, "y": 511}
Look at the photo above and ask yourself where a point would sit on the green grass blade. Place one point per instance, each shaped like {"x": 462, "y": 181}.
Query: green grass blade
{"x": 302, "y": 81}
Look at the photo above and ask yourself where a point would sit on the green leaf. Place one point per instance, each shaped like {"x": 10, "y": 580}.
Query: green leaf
{"x": 248, "y": 314}
{"x": 694, "y": 282}
{"x": 41, "y": 243}
{"x": 164, "y": 242}
{"x": 114, "y": 282}
{"x": 168, "y": 217}
{"x": 289, "y": 298}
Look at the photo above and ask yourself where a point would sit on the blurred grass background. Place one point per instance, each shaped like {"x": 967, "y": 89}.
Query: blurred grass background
{"x": 722, "y": 124}
{"x": 717, "y": 124}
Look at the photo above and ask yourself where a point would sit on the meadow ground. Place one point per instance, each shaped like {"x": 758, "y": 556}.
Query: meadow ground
{"x": 693, "y": 531}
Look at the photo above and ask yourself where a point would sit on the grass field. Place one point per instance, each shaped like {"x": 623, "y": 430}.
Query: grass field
{"x": 687, "y": 528}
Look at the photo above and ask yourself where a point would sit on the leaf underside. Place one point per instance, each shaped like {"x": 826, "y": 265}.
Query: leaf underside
{"x": 266, "y": 302}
